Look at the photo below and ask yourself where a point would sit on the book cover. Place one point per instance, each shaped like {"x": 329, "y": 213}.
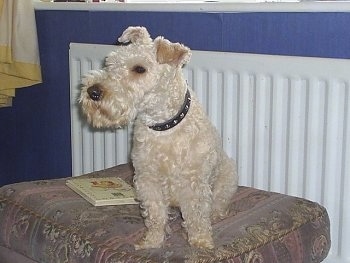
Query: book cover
{"x": 103, "y": 191}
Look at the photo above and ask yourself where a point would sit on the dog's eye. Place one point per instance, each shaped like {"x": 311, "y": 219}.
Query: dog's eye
{"x": 139, "y": 69}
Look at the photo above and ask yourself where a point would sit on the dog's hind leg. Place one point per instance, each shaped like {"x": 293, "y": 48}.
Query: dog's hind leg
{"x": 224, "y": 188}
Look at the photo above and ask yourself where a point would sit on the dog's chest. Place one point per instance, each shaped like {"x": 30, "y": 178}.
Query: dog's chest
{"x": 173, "y": 189}
{"x": 163, "y": 147}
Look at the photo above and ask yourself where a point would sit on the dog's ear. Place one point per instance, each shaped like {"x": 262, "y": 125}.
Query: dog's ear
{"x": 138, "y": 35}
{"x": 171, "y": 53}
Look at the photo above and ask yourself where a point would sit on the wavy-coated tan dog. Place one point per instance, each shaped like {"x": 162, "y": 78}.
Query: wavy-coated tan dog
{"x": 176, "y": 153}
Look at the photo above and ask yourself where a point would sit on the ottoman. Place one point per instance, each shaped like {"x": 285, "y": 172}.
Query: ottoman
{"x": 45, "y": 221}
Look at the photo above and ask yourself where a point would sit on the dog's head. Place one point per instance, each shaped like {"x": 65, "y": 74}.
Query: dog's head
{"x": 134, "y": 73}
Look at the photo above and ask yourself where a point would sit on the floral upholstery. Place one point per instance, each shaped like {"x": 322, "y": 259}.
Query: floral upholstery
{"x": 45, "y": 221}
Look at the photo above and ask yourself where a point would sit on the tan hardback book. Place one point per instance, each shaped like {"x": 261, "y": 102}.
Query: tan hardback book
{"x": 103, "y": 191}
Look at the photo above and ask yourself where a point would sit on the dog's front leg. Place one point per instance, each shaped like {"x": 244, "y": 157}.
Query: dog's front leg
{"x": 154, "y": 212}
{"x": 196, "y": 210}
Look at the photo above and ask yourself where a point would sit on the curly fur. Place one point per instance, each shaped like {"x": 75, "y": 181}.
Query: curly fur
{"x": 184, "y": 166}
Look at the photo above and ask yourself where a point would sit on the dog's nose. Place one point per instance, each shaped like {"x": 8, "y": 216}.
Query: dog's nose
{"x": 95, "y": 92}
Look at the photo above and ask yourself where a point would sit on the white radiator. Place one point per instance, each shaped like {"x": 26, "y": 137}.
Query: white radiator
{"x": 286, "y": 120}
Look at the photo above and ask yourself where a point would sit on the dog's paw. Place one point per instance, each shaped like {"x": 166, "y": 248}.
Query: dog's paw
{"x": 150, "y": 240}
{"x": 142, "y": 244}
{"x": 202, "y": 242}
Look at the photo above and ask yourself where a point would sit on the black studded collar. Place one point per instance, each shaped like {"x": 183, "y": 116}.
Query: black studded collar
{"x": 177, "y": 118}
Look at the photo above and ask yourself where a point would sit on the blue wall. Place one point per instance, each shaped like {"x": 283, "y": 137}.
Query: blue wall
{"x": 35, "y": 132}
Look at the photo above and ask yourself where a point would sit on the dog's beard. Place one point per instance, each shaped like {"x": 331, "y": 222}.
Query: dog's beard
{"x": 106, "y": 115}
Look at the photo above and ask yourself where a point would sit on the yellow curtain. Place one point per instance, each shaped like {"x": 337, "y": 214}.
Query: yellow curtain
{"x": 19, "y": 51}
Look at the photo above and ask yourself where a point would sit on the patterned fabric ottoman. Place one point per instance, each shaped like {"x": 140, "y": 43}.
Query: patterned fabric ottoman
{"x": 45, "y": 221}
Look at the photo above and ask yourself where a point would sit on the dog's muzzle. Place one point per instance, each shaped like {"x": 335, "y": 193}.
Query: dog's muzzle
{"x": 95, "y": 92}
